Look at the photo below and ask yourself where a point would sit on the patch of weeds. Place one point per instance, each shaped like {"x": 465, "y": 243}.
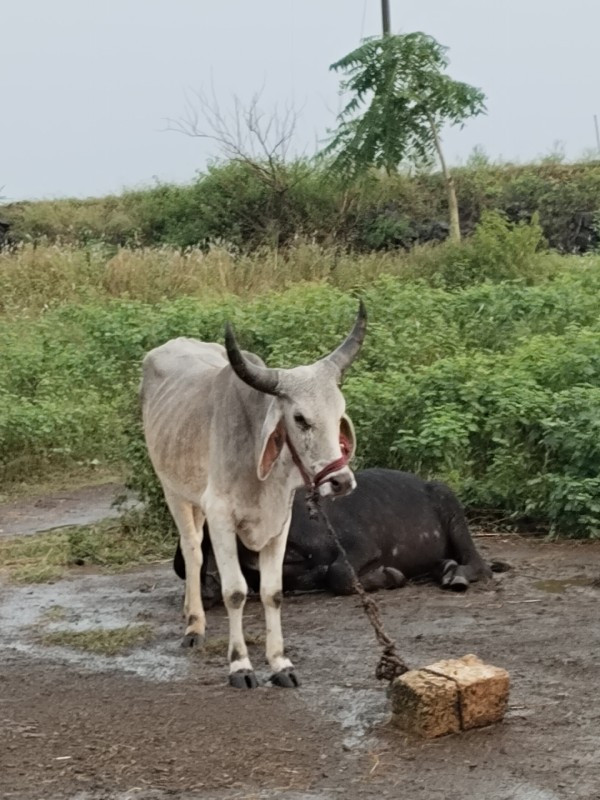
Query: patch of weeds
{"x": 35, "y": 559}
{"x": 112, "y": 545}
{"x": 217, "y": 645}
{"x": 34, "y": 573}
{"x": 118, "y": 544}
{"x": 54, "y": 614}
{"x": 103, "y": 641}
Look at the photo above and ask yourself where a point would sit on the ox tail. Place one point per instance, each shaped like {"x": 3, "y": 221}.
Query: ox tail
{"x": 179, "y": 563}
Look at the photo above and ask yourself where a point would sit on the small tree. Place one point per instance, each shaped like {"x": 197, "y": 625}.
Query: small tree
{"x": 407, "y": 98}
{"x": 249, "y": 136}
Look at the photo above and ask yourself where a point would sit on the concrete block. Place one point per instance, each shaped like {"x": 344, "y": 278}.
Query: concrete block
{"x": 449, "y": 696}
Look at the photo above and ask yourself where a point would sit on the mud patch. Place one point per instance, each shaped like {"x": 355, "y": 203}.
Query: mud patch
{"x": 159, "y": 722}
{"x": 558, "y": 585}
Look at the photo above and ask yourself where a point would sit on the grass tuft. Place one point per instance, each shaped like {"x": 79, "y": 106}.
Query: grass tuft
{"x": 113, "y": 545}
{"x": 103, "y": 641}
{"x": 54, "y": 614}
{"x": 217, "y": 645}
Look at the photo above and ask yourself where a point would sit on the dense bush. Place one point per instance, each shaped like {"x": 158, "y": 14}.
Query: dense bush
{"x": 232, "y": 203}
{"x": 494, "y": 386}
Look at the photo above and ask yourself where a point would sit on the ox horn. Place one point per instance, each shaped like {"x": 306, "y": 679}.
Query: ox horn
{"x": 262, "y": 379}
{"x": 345, "y": 354}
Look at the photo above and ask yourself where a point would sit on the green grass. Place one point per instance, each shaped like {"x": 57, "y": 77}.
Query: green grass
{"x": 34, "y": 559}
{"x": 34, "y": 279}
{"x": 111, "y": 546}
{"x": 54, "y": 614}
{"x": 102, "y": 641}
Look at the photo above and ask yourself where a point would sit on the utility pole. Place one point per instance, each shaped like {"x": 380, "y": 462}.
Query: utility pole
{"x": 597, "y": 133}
{"x": 386, "y": 17}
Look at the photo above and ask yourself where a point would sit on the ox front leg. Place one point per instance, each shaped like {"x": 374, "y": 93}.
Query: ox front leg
{"x": 234, "y": 590}
{"x": 271, "y": 566}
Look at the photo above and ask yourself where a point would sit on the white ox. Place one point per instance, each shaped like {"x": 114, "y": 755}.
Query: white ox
{"x": 231, "y": 440}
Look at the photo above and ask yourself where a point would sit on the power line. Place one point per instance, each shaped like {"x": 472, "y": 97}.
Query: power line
{"x": 362, "y": 24}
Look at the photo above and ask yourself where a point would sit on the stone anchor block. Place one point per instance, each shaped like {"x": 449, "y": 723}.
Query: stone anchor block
{"x": 449, "y": 696}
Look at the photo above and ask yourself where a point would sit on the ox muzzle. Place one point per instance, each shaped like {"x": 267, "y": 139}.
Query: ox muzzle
{"x": 335, "y": 479}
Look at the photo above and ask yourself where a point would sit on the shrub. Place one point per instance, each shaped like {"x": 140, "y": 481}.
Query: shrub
{"x": 497, "y": 251}
{"x": 231, "y": 205}
{"x": 494, "y": 386}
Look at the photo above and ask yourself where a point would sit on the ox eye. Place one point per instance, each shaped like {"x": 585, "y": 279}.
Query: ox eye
{"x": 301, "y": 422}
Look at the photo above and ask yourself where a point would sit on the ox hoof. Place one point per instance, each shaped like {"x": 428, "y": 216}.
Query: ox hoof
{"x": 193, "y": 640}
{"x": 285, "y": 678}
{"x": 243, "y": 679}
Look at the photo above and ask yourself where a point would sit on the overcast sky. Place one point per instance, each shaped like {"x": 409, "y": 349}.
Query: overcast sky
{"x": 86, "y": 84}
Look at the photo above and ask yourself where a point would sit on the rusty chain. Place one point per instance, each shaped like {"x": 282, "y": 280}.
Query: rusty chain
{"x": 390, "y": 663}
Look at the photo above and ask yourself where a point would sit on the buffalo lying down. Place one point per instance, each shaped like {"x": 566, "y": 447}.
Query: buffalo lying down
{"x": 394, "y": 527}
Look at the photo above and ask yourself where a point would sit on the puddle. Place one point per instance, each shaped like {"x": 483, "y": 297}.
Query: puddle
{"x": 357, "y": 710}
{"x": 558, "y": 586}
{"x": 95, "y": 601}
{"x": 88, "y": 602}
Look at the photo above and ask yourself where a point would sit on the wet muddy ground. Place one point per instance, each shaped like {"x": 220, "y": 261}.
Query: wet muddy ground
{"x": 158, "y": 721}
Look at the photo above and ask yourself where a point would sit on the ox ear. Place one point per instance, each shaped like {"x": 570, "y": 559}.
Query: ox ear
{"x": 347, "y": 436}
{"x": 272, "y": 442}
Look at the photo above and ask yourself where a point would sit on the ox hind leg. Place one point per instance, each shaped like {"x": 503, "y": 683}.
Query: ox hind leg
{"x": 189, "y": 520}
{"x": 271, "y": 567}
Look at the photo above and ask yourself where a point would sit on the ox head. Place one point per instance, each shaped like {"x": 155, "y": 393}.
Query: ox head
{"x": 307, "y": 412}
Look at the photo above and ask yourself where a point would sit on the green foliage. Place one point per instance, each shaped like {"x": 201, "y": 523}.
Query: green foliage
{"x": 407, "y": 97}
{"x": 111, "y": 545}
{"x": 497, "y": 251}
{"x": 229, "y": 207}
{"x": 481, "y": 367}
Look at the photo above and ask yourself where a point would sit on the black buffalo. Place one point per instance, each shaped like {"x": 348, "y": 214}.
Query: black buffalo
{"x": 393, "y": 527}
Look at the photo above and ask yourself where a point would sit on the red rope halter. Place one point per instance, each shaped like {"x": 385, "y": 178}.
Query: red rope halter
{"x": 321, "y": 476}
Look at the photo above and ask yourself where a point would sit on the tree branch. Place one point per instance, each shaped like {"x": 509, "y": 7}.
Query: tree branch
{"x": 247, "y": 134}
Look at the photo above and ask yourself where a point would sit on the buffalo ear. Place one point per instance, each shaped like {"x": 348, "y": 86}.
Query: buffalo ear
{"x": 273, "y": 444}
{"x": 347, "y": 436}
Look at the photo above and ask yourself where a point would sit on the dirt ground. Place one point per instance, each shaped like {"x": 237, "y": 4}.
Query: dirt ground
{"x": 160, "y": 722}
{"x": 81, "y": 506}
